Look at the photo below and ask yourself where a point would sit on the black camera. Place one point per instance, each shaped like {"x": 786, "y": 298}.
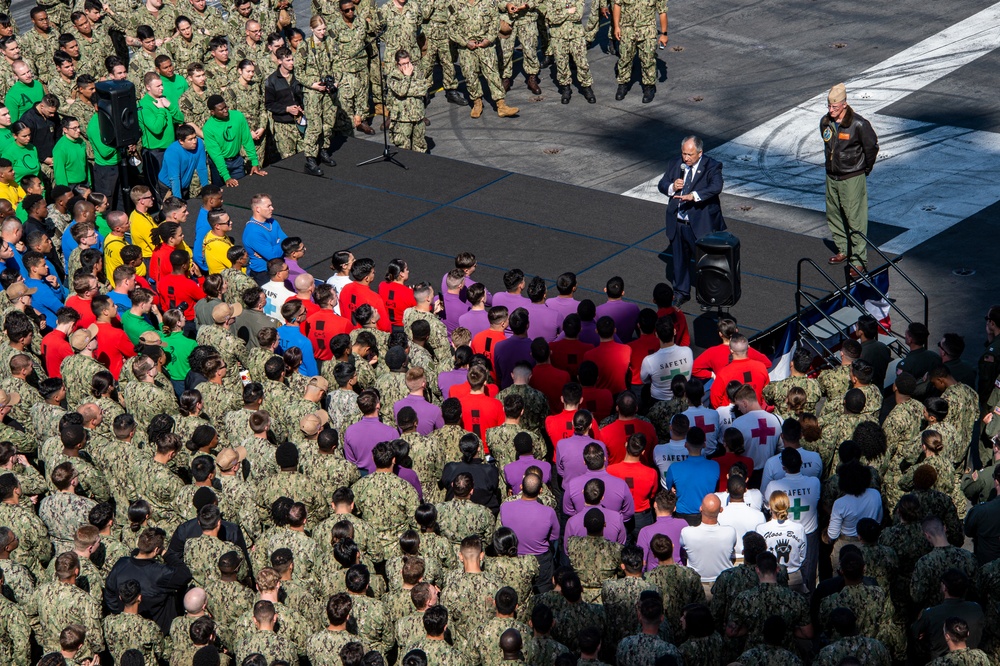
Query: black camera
{"x": 329, "y": 82}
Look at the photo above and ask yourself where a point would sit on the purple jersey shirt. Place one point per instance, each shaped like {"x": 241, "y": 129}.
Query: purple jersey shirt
{"x": 510, "y": 301}
{"x": 452, "y": 378}
{"x": 476, "y": 321}
{"x": 514, "y": 472}
{"x": 535, "y": 525}
{"x": 563, "y": 307}
{"x": 667, "y": 525}
{"x": 361, "y": 438}
{"x": 543, "y": 321}
{"x": 429, "y": 416}
{"x": 509, "y": 353}
{"x": 569, "y": 456}
{"x": 465, "y": 288}
{"x": 617, "y": 496}
{"x": 454, "y": 307}
{"x": 614, "y": 528}
{"x": 625, "y": 315}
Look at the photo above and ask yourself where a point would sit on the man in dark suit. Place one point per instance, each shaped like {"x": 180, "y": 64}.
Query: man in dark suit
{"x": 693, "y": 182}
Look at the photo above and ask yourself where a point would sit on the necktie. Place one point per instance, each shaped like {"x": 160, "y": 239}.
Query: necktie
{"x": 687, "y": 180}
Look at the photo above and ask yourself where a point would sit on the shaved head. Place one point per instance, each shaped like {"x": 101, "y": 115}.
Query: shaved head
{"x": 194, "y": 600}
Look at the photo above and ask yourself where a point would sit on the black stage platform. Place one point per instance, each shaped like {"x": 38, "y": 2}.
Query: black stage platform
{"x": 440, "y": 207}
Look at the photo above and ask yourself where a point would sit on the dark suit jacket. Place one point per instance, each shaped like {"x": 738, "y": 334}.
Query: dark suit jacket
{"x": 705, "y": 216}
{"x": 162, "y": 586}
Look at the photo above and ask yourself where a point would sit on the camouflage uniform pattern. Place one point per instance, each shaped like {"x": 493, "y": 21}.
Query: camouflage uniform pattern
{"x": 767, "y": 655}
{"x": 461, "y": 518}
{"x": 407, "y": 105}
{"x": 62, "y": 514}
{"x": 750, "y": 609}
{"x": 55, "y": 605}
{"x": 250, "y": 100}
{"x": 707, "y": 650}
{"x": 236, "y": 283}
{"x": 477, "y": 20}
{"x": 571, "y": 618}
{"x": 387, "y": 503}
{"x": 428, "y": 463}
{"x": 469, "y": 600}
{"x": 439, "y": 50}
{"x": 638, "y": 22}
{"x": 963, "y": 411}
{"x": 77, "y": 372}
{"x": 343, "y": 409}
{"x": 486, "y": 645}
{"x": 392, "y": 388}
{"x": 233, "y": 349}
{"x": 518, "y": 573}
{"x": 14, "y": 635}
{"x": 300, "y": 488}
{"x": 866, "y": 650}
{"x": 351, "y": 60}
{"x": 595, "y": 560}
{"x": 501, "y": 443}
{"x": 217, "y": 400}
{"x": 157, "y": 485}
{"x": 201, "y": 555}
{"x": 125, "y": 631}
{"x": 18, "y": 580}
{"x": 446, "y": 439}
{"x": 963, "y": 657}
{"x": 373, "y": 623}
{"x": 619, "y": 598}
{"x": 679, "y": 586}
{"x": 547, "y": 649}
{"x": 925, "y": 584}
{"x": 227, "y": 602}
{"x": 35, "y": 549}
{"x": 144, "y": 401}
{"x": 439, "y": 652}
{"x": 324, "y": 647}
{"x": 870, "y": 605}
{"x": 567, "y": 40}
{"x": 776, "y": 394}
{"x": 273, "y": 646}
{"x": 313, "y": 61}
{"x": 536, "y": 407}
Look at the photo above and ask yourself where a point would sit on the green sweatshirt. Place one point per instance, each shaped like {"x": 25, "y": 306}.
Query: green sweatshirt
{"x": 104, "y": 155}
{"x": 69, "y": 162}
{"x": 157, "y": 124}
{"x": 173, "y": 89}
{"x": 20, "y": 98}
{"x": 6, "y": 138}
{"x": 24, "y": 159}
{"x": 224, "y": 138}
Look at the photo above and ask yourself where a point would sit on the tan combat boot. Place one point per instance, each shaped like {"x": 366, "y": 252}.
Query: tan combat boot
{"x": 380, "y": 110}
{"x": 477, "y": 107}
{"x": 505, "y": 111}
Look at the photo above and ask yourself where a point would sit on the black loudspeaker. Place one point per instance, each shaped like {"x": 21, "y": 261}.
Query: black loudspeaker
{"x": 717, "y": 272}
{"x": 118, "y": 114}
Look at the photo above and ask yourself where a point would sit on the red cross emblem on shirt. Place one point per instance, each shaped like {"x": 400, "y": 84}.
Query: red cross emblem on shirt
{"x": 699, "y": 421}
{"x": 762, "y": 431}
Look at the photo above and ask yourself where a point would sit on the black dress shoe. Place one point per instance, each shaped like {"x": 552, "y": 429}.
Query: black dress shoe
{"x": 622, "y": 91}
{"x": 326, "y": 157}
{"x": 455, "y": 97}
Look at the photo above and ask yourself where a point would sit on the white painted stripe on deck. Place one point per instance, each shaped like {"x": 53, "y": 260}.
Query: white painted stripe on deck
{"x": 781, "y": 161}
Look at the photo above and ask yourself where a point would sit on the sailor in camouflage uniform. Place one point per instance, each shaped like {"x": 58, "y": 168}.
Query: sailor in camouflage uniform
{"x": 55, "y": 605}
{"x": 128, "y": 629}
{"x": 264, "y": 639}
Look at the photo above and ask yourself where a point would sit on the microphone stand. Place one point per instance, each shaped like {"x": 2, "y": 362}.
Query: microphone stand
{"x": 387, "y": 154}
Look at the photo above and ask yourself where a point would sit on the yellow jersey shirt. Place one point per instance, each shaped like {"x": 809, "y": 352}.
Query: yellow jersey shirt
{"x": 12, "y": 193}
{"x": 142, "y": 226}
{"x": 216, "y": 249}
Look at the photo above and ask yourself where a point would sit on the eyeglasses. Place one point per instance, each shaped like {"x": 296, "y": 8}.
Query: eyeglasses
{"x": 148, "y": 197}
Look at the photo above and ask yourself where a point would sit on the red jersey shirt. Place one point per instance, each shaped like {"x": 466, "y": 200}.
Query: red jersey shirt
{"x": 681, "y": 335}
{"x": 159, "y": 262}
{"x": 746, "y": 371}
{"x": 311, "y": 309}
{"x": 568, "y": 354}
{"x": 643, "y": 482}
{"x": 321, "y": 327}
{"x": 598, "y": 402}
{"x": 354, "y": 294}
{"x": 715, "y": 358}
{"x": 615, "y": 434}
{"x": 560, "y": 426}
{"x": 179, "y": 291}
{"x": 612, "y": 359}
{"x": 82, "y": 306}
{"x": 727, "y": 460}
{"x": 550, "y": 380}
{"x": 113, "y": 347}
{"x": 480, "y": 413}
{"x": 55, "y": 347}
{"x": 463, "y": 390}
{"x": 397, "y": 297}
{"x": 485, "y": 343}
{"x": 642, "y": 347}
